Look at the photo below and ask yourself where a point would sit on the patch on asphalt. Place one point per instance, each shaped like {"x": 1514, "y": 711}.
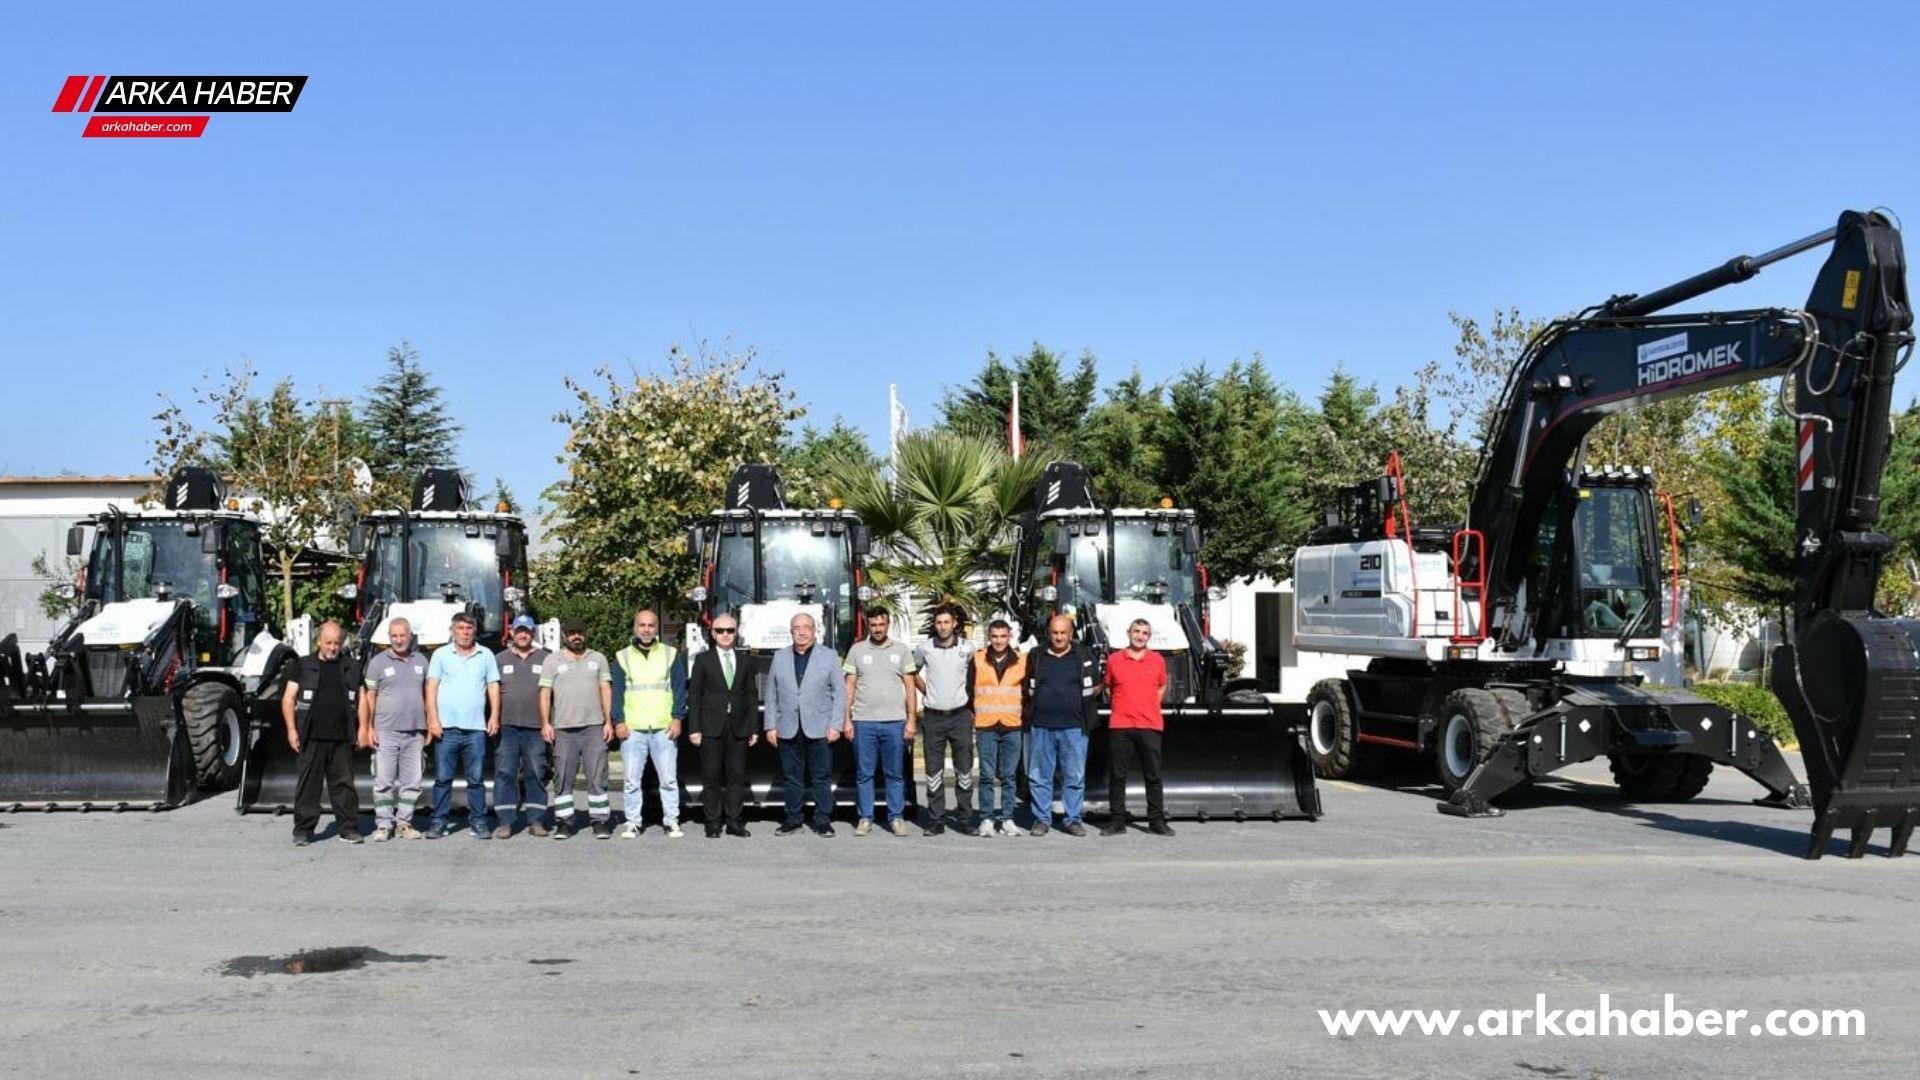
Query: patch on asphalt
{"x": 551, "y": 961}
{"x": 319, "y": 961}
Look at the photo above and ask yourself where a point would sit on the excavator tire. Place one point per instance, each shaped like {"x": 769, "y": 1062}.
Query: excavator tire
{"x": 1660, "y": 777}
{"x": 216, "y": 727}
{"x": 1333, "y": 732}
{"x": 1472, "y": 723}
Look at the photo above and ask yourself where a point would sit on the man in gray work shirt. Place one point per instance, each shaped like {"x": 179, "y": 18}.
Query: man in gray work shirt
{"x": 945, "y": 720}
{"x": 576, "y": 716}
{"x": 520, "y": 758}
{"x": 393, "y": 721}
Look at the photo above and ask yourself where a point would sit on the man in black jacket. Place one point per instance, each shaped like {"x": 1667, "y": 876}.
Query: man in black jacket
{"x": 721, "y": 723}
{"x": 321, "y": 706}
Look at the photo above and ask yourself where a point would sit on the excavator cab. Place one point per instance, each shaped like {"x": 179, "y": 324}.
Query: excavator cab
{"x": 1228, "y": 752}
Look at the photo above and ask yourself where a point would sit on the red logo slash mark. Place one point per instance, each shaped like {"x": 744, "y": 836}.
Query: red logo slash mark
{"x": 69, "y": 93}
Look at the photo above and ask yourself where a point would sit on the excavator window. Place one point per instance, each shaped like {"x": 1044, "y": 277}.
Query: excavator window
{"x": 1152, "y": 565}
{"x": 1615, "y": 560}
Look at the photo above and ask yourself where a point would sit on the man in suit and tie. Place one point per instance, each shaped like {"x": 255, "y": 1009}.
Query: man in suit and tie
{"x": 721, "y": 725}
{"x": 806, "y": 704}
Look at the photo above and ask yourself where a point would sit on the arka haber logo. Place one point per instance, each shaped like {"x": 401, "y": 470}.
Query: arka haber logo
{"x": 199, "y": 94}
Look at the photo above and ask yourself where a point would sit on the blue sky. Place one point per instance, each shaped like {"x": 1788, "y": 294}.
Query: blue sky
{"x": 875, "y": 193}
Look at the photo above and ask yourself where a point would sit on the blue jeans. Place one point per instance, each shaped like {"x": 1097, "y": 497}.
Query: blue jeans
{"x": 636, "y": 750}
{"x": 882, "y": 743}
{"x": 1067, "y": 749}
{"x": 468, "y": 747}
{"x": 999, "y": 753}
{"x": 799, "y": 757}
{"x": 520, "y": 775}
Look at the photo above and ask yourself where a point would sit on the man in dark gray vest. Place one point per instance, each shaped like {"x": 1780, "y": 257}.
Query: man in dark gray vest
{"x": 321, "y": 707}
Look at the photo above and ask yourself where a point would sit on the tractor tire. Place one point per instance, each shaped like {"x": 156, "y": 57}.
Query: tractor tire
{"x": 1472, "y": 723}
{"x": 1333, "y": 732}
{"x": 1518, "y": 707}
{"x": 1660, "y": 777}
{"x": 216, "y": 724}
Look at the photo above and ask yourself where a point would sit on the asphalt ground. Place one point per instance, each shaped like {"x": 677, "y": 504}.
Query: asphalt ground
{"x": 150, "y": 944}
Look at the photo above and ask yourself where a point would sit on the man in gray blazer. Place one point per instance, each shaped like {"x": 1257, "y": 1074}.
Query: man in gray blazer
{"x": 806, "y": 701}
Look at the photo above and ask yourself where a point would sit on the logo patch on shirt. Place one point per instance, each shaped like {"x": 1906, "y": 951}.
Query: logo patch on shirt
{"x": 389, "y": 673}
{"x": 593, "y": 665}
{"x": 507, "y": 669}
{"x": 537, "y": 669}
{"x": 563, "y": 669}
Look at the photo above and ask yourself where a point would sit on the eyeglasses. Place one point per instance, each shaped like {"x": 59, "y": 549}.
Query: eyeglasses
{"x": 723, "y": 630}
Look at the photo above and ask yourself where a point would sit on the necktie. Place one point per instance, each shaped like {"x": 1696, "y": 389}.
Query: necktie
{"x": 726, "y": 665}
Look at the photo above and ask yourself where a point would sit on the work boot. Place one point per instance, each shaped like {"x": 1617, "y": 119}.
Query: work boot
{"x": 738, "y": 830}
{"x": 503, "y": 831}
{"x": 406, "y": 831}
{"x": 1160, "y": 828}
{"x": 935, "y": 829}
{"x": 348, "y": 836}
{"x": 788, "y": 828}
{"x": 824, "y": 829}
{"x": 863, "y": 828}
{"x": 897, "y": 827}
{"x": 538, "y": 828}
{"x": 382, "y": 834}
{"x": 603, "y": 830}
{"x": 561, "y": 831}
{"x": 1074, "y": 828}
{"x": 436, "y": 831}
{"x": 1114, "y": 826}
{"x": 302, "y": 839}
{"x": 1039, "y": 829}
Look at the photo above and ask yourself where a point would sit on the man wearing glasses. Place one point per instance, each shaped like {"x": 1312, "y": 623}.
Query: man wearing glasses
{"x": 722, "y": 726}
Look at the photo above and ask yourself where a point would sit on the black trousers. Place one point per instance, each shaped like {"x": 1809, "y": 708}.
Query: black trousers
{"x": 325, "y": 763}
{"x": 723, "y": 779}
{"x": 943, "y": 731}
{"x": 1125, "y": 747}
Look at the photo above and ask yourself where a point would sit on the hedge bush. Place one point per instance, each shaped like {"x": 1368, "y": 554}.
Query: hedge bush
{"x": 1756, "y": 703}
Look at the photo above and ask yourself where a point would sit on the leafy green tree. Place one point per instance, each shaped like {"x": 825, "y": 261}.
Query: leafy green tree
{"x": 1120, "y": 444}
{"x": 1054, "y": 403}
{"x": 1222, "y": 454}
{"x": 60, "y": 599}
{"x": 286, "y": 456}
{"x": 811, "y": 456}
{"x": 408, "y": 426}
{"x": 645, "y": 456}
{"x": 1900, "y": 515}
{"x": 1754, "y": 541}
{"x": 942, "y": 527}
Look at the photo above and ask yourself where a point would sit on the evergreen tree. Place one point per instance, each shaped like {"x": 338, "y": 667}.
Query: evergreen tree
{"x": 407, "y": 426}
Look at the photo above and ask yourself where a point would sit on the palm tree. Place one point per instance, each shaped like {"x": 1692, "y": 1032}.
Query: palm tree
{"x": 942, "y": 527}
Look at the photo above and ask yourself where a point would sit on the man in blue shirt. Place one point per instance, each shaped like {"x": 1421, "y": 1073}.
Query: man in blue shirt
{"x": 463, "y": 708}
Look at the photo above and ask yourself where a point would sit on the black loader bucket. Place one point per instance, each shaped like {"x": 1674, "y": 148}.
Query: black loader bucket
{"x": 1230, "y": 760}
{"x": 91, "y": 755}
{"x": 272, "y": 774}
{"x": 1851, "y": 684}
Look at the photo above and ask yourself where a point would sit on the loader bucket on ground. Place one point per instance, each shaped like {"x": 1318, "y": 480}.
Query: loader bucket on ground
{"x": 1226, "y": 761}
{"x": 272, "y": 773}
{"x": 100, "y": 755}
{"x": 1851, "y": 684}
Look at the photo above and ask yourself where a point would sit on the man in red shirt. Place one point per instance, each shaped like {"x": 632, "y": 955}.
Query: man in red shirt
{"x": 1137, "y": 683}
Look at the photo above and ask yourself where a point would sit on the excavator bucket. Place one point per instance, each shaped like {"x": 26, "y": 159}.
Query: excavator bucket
{"x": 82, "y": 752}
{"x": 1858, "y": 723}
{"x": 1230, "y": 760}
{"x": 272, "y": 774}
